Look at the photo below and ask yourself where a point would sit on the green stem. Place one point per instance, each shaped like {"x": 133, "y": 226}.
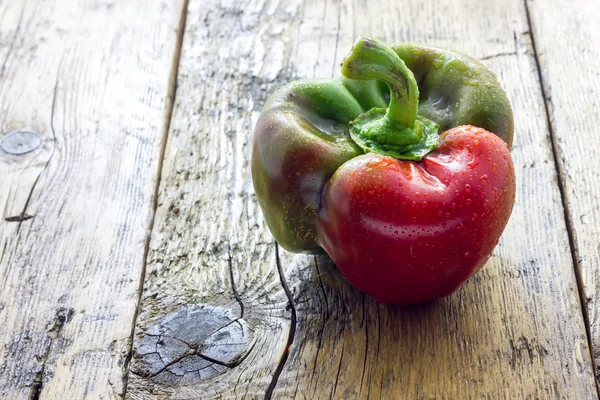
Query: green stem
{"x": 372, "y": 59}
{"x": 398, "y": 131}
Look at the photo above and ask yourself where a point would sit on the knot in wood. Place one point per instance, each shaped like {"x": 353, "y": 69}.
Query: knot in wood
{"x": 20, "y": 142}
{"x": 191, "y": 345}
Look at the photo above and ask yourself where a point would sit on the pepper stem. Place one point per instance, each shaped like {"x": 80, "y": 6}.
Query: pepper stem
{"x": 397, "y": 131}
{"x": 371, "y": 59}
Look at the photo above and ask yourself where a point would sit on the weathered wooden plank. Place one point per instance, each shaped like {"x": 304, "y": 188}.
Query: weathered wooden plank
{"x": 83, "y": 94}
{"x": 514, "y": 331}
{"x": 210, "y": 249}
{"x": 567, "y": 41}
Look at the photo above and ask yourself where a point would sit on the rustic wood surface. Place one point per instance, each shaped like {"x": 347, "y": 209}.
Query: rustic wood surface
{"x": 83, "y": 94}
{"x": 89, "y": 135}
{"x": 569, "y": 57}
{"x": 518, "y": 321}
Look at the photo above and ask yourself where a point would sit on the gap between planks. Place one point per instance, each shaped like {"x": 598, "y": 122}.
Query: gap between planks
{"x": 171, "y": 95}
{"x": 563, "y": 198}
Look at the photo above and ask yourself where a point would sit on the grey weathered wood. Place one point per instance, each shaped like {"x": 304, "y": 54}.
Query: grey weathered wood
{"x": 209, "y": 245}
{"x": 82, "y": 106}
{"x": 514, "y": 331}
{"x": 83, "y": 94}
{"x": 567, "y": 39}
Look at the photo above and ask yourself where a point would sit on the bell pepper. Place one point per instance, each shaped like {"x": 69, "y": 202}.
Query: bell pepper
{"x": 357, "y": 167}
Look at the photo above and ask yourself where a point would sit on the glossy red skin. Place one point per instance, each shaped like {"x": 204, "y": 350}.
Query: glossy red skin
{"x": 406, "y": 232}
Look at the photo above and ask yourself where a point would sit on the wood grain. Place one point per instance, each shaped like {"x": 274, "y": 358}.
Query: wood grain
{"x": 83, "y": 94}
{"x": 567, "y": 39}
{"x": 209, "y": 247}
{"x": 514, "y": 331}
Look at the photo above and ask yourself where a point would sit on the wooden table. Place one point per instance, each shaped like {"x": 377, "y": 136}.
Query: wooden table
{"x": 135, "y": 262}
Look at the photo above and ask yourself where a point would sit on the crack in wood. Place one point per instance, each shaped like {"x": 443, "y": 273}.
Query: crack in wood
{"x": 322, "y": 288}
{"x": 322, "y": 330}
{"x": 377, "y": 348}
{"x": 3, "y": 252}
{"x": 197, "y": 350}
{"x": 19, "y": 218}
{"x": 189, "y": 341}
{"x": 504, "y": 54}
{"x": 365, "y": 322}
{"x": 565, "y": 204}
{"x": 62, "y": 317}
{"x": 171, "y": 95}
{"x": 337, "y": 376}
{"x": 233, "y": 364}
{"x": 292, "y": 331}
{"x": 23, "y": 216}
{"x": 233, "y": 288}
{"x": 170, "y": 364}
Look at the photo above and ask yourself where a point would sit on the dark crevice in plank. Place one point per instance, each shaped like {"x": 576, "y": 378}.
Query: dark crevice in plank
{"x": 337, "y": 376}
{"x": 322, "y": 330}
{"x": 506, "y": 54}
{"x": 233, "y": 288}
{"x": 366, "y": 324}
{"x": 23, "y": 216}
{"x": 233, "y": 364}
{"x": 377, "y": 349}
{"x": 171, "y": 95}
{"x": 2, "y": 254}
{"x": 563, "y": 195}
{"x": 515, "y": 52}
{"x": 19, "y": 218}
{"x": 194, "y": 351}
{"x": 292, "y": 332}
{"x": 62, "y": 316}
{"x": 38, "y": 380}
{"x": 322, "y": 288}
